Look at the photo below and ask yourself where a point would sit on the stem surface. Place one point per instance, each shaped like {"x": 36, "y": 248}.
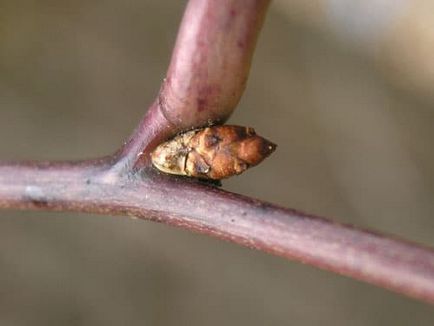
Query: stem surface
{"x": 384, "y": 261}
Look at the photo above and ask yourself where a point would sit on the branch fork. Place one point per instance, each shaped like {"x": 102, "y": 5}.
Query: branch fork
{"x": 205, "y": 80}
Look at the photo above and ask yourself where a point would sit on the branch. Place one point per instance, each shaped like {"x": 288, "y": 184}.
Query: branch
{"x": 207, "y": 74}
{"x": 199, "y": 87}
{"x": 384, "y": 261}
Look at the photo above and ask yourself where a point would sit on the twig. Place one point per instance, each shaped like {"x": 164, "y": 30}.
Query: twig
{"x": 126, "y": 184}
{"x": 384, "y": 261}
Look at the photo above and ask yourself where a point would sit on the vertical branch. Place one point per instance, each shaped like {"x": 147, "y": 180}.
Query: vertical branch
{"x": 211, "y": 60}
{"x": 207, "y": 73}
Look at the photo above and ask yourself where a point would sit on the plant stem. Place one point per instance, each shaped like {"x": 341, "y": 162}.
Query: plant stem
{"x": 207, "y": 73}
{"x": 206, "y": 78}
{"x": 384, "y": 261}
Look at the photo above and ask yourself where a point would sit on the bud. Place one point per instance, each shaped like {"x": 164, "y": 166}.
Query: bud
{"x": 212, "y": 153}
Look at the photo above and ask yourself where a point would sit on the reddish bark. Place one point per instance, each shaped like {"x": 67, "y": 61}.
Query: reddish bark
{"x": 206, "y": 78}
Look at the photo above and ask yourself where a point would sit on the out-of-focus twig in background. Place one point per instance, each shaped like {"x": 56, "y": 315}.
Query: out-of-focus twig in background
{"x": 398, "y": 35}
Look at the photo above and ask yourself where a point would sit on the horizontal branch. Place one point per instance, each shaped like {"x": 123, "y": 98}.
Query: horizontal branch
{"x": 205, "y": 80}
{"x": 385, "y": 261}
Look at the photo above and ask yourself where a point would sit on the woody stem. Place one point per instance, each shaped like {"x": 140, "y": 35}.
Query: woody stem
{"x": 398, "y": 265}
{"x": 207, "y": 73}
{"x": 124, "y": 184}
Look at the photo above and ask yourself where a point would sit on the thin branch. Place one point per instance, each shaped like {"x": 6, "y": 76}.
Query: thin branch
{"x": 207, "y": 74}
{"x": 205, "y": 81}
{"x": 378, "y": 259}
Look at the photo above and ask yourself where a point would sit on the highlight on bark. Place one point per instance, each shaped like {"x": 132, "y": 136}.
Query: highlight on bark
{"x": 215, "y": 153}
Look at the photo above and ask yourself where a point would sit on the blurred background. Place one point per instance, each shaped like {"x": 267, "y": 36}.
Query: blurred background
{"x": 345, "y": 88}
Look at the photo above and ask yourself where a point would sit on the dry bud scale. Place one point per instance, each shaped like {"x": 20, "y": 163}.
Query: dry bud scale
{"x": 214, "y": 153}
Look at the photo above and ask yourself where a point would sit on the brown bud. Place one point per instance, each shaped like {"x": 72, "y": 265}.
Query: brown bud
{"x": 212, "y": 153}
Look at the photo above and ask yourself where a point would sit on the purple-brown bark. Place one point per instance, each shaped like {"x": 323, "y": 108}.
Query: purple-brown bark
{"x": 205, "y": 80}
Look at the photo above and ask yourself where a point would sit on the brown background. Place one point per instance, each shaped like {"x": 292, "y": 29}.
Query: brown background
{"x": 354, "y": 144}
